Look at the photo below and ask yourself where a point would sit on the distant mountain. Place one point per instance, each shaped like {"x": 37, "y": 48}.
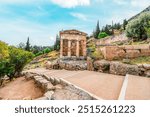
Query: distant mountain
{"x": 145, "y": 10}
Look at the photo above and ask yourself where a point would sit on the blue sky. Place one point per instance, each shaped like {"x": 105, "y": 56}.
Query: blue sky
{"x": 41, "y": 20}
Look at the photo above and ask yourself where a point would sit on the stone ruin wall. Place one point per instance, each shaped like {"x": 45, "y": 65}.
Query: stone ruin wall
{"x": 111, "y": 39}
{"x": 125, "y": 52}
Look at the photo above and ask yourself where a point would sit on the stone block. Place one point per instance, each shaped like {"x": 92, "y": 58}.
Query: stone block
{"x": 146, "y": 66}
{"x": 102, "y": 66}
{"x": 123, "y": 69}
{"x": 147, "y": 73}
{"x": 145, "y": 52}
{"x": 49, "y": 94}
{"x": 132, "y": 53}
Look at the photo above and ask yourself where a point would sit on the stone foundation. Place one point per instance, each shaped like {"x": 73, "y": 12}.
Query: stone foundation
{"x": 68, "y": 64}
{"x": 59, "y": 89}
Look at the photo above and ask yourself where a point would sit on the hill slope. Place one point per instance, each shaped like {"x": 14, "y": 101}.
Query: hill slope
{"x": 145, "y": 10}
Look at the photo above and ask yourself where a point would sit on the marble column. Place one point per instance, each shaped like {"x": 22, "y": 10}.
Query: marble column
{"x": 69, "y": 48}
{"x": 61, "y": 48}
{"x": 84, "y": 48}
{"x": 77, "y": 49}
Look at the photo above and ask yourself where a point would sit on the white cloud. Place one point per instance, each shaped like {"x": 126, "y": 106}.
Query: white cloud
{"x": 14, "y": 32}
{"x": 71, "y": 3}
{"x": 140, "y": 3}
{"x": 120, "y": 2}
{"x": 79, "y": 16}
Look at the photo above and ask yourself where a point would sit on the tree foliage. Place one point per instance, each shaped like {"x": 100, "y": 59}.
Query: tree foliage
{"x": 136, "y": 28}
{"x": 102, "y": 35}
{"x": 3, "y": 50}
{"x": 14, "y": 62}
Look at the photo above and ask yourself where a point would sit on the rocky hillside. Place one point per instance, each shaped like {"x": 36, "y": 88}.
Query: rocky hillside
{"x": 145, "y": 10}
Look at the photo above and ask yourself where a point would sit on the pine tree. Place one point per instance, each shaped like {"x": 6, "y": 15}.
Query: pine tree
{"x": 28, "y": 47}
{"x": 125, "y": 22}
{"x": 97, "y": 31}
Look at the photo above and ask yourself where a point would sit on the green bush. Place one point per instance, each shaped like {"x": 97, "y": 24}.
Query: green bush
{"x": 14, "y": 63}
{"x": 18, "y": 58}
{"x": 47, "y": 50}
{"x": 39, "y": 53}
{"x": 3, "y": 50}
{"x": 97, "y": 55}
{"x": 102, "y": 35}
{"x": 136, "y": 28}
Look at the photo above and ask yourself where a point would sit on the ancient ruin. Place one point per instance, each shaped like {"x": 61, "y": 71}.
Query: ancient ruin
{"x": 72, "y": 44}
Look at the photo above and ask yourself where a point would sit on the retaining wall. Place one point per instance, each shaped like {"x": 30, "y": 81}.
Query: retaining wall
{"x": 129, "y": 51}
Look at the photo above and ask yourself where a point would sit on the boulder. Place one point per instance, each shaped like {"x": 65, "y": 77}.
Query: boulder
{"x": 49, "y": 86}
{"x": 48, "y": 65}
{"x": 119, "y": 68}
{"x": 102, "y": 66}
{"x": 29, "y": 76}
{"x": 49, "y": 94}
{"x": 133, "y": 70}
{"x": 146, "y": 66}
{"x": 147, "y": 73}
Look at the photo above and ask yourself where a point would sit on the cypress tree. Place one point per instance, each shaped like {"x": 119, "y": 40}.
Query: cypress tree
{"x": 57, "y": 43}
{"x": 97, "y": 31}
{"x": 28, "y": 47}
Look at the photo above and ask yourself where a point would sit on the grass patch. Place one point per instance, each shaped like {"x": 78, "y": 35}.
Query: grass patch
{"x": 141, "y": 60}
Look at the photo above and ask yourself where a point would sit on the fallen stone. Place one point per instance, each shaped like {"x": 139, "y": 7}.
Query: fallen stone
{"x": 49, "y": 94}
{"x": 29, "y": 76}
{"x": 147, "y": 73}
{"x": 146, "y": 66}
{"x": 49, "y": 86}
{"x": 48, "y": 65}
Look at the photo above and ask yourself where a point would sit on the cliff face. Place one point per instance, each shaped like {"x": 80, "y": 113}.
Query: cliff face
{"x": 145, "y": 10}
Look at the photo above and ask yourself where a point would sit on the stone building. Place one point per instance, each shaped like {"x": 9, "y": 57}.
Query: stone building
{"x": 72, "y": 44}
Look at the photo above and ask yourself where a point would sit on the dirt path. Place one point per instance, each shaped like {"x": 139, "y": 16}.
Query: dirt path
{"x": 20, "y": 89}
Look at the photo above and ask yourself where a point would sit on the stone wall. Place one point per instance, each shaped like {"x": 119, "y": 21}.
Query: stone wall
{"x": 67, "y": 64}
{"x": 119, "y": 68}
{"x": 128, "y": 51}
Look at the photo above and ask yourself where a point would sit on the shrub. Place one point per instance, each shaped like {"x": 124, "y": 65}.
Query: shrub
{"x": 15, "y": 62}
{"x": 136, "y": 28}
{"x": 47, "y": 50}
{"x": 97, "y": 55}
{"x": 3, "y": 50}
{"x": 102, "y": 35}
